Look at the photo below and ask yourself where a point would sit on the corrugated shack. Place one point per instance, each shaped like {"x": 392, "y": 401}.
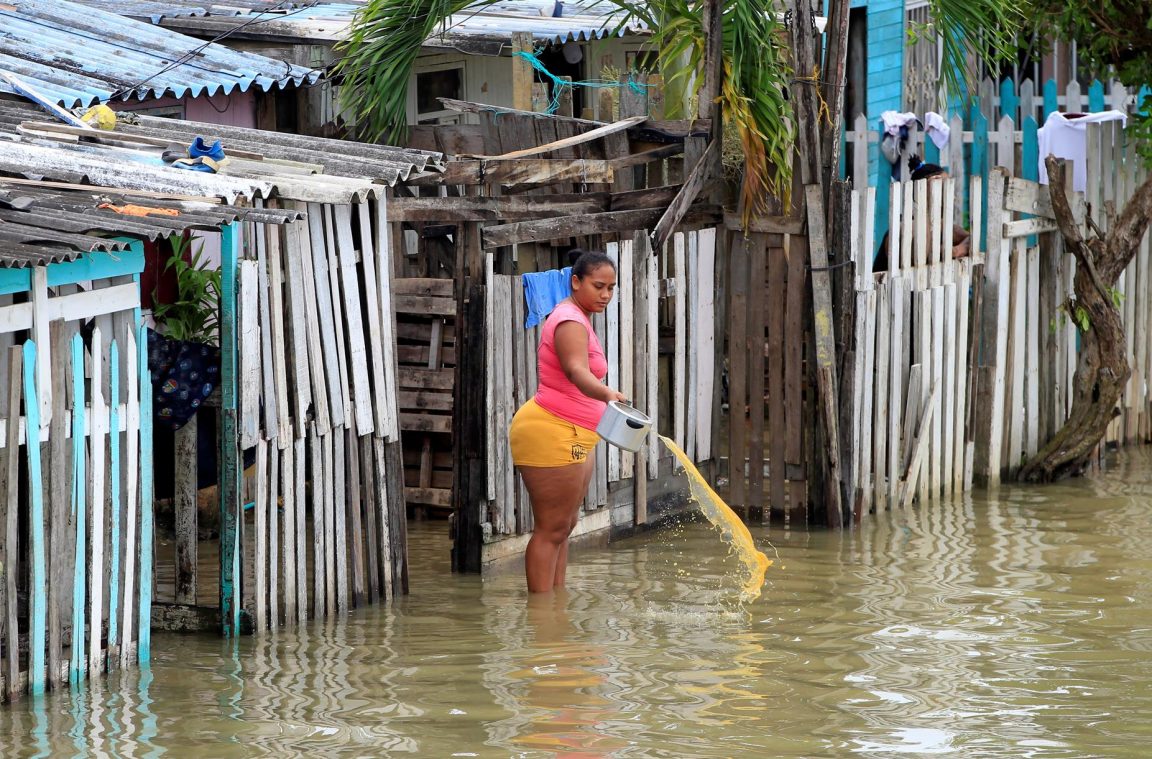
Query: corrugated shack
{"x": 470, "y": 58}
{"x": 78, "y": 54}
{"x": 306, "y": 389}
{"x": 76, "y": 425}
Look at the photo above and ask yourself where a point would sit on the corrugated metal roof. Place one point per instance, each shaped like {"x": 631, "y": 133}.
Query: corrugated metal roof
{"x": 313, "y": 169}
{"x": 549, "y": 21}
{"x": 41, "y": 226}
{"x": 78, "y": 55}
{"x": 156, "y": 10}
{"x": 120, "y": 168}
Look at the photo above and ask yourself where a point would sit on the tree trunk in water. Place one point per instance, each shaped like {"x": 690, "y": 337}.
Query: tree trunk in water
{"x": 1102, "y": 370}
{"x": 1101, "y": 373}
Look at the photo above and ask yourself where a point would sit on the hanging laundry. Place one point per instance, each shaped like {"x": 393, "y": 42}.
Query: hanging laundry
{"x": 895, "y": 137}
{"x": 1065, "y": 135}
{"x": 542, "y": 291}
{"x": 937, "y": 129}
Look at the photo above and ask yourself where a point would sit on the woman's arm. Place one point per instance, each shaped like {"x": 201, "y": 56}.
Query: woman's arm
{"x": 571, "y": 342}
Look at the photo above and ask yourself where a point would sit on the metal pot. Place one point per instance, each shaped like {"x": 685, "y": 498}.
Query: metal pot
{"x": 623, "y": 426}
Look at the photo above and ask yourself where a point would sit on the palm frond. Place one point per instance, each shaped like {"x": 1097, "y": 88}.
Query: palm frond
{"x": 986, "y": 30}
{"x": 378, "y": 55}
{"x": 756, "y": 78}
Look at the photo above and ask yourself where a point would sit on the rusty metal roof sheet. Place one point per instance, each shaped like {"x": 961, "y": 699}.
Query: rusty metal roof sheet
{"x": 77, "y": 54}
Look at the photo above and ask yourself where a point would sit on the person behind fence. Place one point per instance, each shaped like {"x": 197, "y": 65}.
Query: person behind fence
{"x": 553, "y": 436}
{"x": 961, "y": 240}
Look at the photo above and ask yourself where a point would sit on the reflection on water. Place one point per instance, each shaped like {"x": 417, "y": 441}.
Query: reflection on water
{"x": 1011, "y": 627}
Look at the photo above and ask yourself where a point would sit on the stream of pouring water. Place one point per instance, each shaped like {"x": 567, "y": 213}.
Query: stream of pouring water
{"x": 731, "y": 528}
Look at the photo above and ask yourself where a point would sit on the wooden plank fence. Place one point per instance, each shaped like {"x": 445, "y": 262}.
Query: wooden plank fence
{"x": 686, "y": 294}
{"x": 911, "y": 439}
{"x": 319, "y": 525}
{"x": 768, "y": 322}
{"x": 965, "y": 368}
{"x": 75, "y": 514}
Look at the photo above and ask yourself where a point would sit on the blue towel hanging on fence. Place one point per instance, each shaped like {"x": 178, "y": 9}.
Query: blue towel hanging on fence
{"x": 543, "y": 290}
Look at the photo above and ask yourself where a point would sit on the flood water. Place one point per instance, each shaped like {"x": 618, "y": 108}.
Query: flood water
{"x": 1018, "y": 626}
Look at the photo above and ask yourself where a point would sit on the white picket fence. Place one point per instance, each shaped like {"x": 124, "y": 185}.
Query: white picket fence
{"x": 965, "y": 368}
{"x": 913, "y": 368}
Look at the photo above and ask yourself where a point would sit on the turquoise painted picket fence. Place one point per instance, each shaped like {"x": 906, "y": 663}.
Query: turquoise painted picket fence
{"x": 998, "y": 128}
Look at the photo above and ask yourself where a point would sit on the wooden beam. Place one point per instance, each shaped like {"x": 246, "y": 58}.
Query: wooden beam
{"x": 494, "y": 208}
{"x": 573, "y": 226}
{"x": 647, "y": 156}
{"x": 518, "y": 171}
{"x": 683, "y": 200}
{"x": 522, "y": 73}
{"x": 778, "y": 225}
{"x": 579, "y": 139}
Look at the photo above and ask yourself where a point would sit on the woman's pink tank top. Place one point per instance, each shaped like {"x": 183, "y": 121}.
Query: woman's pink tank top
{"x": 556, "y": 393}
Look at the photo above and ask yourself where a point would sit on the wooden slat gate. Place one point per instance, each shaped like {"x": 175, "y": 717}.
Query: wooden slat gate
{"x": 768, "y": 305}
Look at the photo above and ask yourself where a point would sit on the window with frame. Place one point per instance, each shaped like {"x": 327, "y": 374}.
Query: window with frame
{"x": 432, "y": 84}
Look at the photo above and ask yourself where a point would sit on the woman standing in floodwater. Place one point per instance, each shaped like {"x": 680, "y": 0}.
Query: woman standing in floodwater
{"x": 553, "y": 435}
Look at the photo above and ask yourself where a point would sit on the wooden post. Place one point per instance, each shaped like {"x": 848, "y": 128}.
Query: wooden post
{"x": 144, "y": 615}
{"x": 97, "y": 428}
{"x": 642, "y": 354}
{"x": 469, "y": 416}
{"x": 59, "y": 585}
{"x": 9, "y": 503}
{"x": 522, "y": 71}
{"x": 713, "y": 23}
{"x": 80, "y": 510}
{"x": 737, "y": 370}
{"x": 834, "y": 75}
{"x": 184, "y": 504}
{"x": 806, "y": 96}
{"x": 230, "y": 463}
{"x": 827, "y": 386}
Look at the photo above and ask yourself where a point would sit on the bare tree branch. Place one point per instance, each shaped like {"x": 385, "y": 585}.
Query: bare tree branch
{"x": 1066, "y": 221}
{"x": 1129, "y": 229}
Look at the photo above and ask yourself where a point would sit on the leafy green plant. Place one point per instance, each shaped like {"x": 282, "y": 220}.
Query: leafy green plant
{"x": 377, "y": 58}
{"x": 753, "y": 94}
{"x": 194, "y": 314}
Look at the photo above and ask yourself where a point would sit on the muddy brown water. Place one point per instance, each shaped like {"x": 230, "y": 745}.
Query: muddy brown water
{"x": 1014, "y": 626}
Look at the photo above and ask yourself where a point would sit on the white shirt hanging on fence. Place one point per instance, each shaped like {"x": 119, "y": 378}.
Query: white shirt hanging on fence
{"x": 937, "y": 128}
{"x": 1067, "y": 138}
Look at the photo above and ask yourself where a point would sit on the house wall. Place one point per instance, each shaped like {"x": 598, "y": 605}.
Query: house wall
{"x": 488, "y": 79}
{"x": 236, "y": 109}
{"x": 885, "y": 41}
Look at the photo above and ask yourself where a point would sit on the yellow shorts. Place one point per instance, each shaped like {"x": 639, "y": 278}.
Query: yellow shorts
{"x": 540, "y": 438}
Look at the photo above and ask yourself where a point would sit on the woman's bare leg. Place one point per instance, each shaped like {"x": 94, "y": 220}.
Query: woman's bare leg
{"x": 562, "y": 554}
{"x": 556, "y": 493}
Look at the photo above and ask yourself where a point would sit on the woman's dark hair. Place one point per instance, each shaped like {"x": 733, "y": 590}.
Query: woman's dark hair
{"x": 921, "y": 170}
{"x": 584, "y": 262}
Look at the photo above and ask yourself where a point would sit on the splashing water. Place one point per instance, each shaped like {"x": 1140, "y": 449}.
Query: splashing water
{"x": 732, "y": 529}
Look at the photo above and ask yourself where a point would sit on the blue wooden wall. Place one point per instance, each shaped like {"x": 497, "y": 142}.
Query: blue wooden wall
{"x": 885, "y": 87}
